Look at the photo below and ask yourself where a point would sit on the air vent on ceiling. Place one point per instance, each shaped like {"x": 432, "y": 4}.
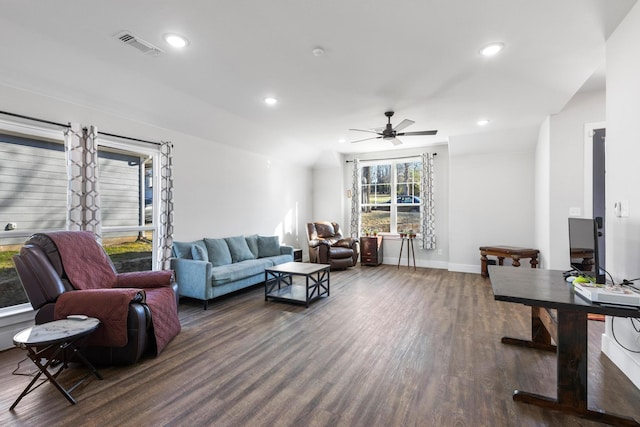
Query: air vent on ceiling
{"x": 135, "y": 41}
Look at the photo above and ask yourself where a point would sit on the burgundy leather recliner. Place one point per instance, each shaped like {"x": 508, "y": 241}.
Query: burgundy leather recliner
{"x": 42, "y": 274}
{"x": 327, "y": 245}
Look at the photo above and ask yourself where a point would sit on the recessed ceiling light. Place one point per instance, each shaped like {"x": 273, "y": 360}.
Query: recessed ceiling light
{"x": 270, "y": 101}
{"x": 482, "y": 122}
{"x": 176, "y": 40}
{"x": 492, "y": 49}
{"x": 318, "y": 51}
{"x": 342, "y": 140}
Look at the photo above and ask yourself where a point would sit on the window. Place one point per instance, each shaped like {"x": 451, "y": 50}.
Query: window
{"x": 33, "y": 198}
{"x": 127, "y": 203}
{"x": 390, "y": 196}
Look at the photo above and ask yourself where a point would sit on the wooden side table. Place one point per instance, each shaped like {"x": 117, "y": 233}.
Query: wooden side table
{"x": 502, "y": 252}
{"x": 371, "y": 250}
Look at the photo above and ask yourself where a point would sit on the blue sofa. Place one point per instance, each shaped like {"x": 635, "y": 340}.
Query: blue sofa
{"x": 209, "y": 268}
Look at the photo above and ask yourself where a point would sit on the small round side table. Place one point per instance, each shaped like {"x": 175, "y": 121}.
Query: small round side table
{"x": 50, "y": 340}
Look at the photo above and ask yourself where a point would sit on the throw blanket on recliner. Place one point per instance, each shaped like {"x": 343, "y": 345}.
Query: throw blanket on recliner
{"x": 88, "y": 267}
{"x": 110, "y": 306}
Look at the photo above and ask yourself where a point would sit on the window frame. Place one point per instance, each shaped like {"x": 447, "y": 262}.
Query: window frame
{"x": 393, "y": 184}
{"x": 152, "y": 152}
{"x": 15, "y": 314}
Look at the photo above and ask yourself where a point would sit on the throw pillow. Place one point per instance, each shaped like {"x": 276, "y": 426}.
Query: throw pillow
{"x": 199, "y": 253}
{"x": 218, "y": 252}
{"x": 252, "y": 242}
{"x": 268, "y": 246}
{"x": 239, "y": 249}
{"x": 183, "y": 249}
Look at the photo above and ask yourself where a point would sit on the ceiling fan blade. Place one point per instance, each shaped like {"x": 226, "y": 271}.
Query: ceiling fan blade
{"x": 366, "y": 139}
{"x": 420, "y": 132}
{"x": 403, "y": 124}
{"x": 395, "y": 141}
{"x": 362, "y": 130}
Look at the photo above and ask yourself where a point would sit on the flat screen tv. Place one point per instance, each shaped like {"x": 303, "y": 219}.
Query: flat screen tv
{"x": 583, "y": 248}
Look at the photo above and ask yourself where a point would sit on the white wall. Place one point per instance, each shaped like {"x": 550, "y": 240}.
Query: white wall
{"x": 542, "y": 193}
{"x": 623, "y": 177}
{"x": 566, "y": 170}
{"x": 220, "y": 191}
{"x": 490, "y": 202}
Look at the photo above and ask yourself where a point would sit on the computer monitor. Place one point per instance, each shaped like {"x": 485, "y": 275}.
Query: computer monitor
{"x": 583, "y": 248}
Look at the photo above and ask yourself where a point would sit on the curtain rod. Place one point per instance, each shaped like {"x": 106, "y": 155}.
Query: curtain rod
{"x": 68, "y": 126}
{"x": 389, "y": 158}
{"x": 128, "y": 137}
{"x": 35, "y": 119}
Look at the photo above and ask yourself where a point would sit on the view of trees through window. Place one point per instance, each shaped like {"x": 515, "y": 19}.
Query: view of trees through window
{"x": 33, "y": 199}
{"x": 390, "y": 197}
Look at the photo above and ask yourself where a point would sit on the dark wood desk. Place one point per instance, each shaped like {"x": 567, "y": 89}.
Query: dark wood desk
{"x": 502, "y": 252}
{"x": 548, "y": 289}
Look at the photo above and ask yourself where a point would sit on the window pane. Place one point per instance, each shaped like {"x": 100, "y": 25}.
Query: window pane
{"x": 408, "y": 181}
{"x": 408, "y": 219}
{"x": 129, "y": 251}
{"x": 123, "y": 188}
{"x": 33, "y": 197}
{"x": 11, "y": 292}
{"x": 375, "y": 220}
{"x": 33, "y": 194}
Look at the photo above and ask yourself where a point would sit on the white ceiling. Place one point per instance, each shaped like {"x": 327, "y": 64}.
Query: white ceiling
{"x": 417, "y": 57}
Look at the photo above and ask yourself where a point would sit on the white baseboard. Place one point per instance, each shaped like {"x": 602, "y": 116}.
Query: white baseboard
{"x": 621, "y": 358}
{"x": 442, "y": 265}
{"x": 464, "y": 268}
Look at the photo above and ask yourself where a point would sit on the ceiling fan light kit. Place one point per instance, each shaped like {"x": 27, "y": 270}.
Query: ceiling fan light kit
{"x": 390, "y": 133}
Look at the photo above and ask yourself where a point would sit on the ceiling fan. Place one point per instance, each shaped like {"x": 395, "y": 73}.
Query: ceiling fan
{"x": 389, "y": 133}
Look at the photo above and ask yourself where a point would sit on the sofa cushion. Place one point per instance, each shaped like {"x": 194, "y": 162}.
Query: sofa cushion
{"x": 268, "y": 246}
{"x": 252, "y": 242}
{"x": 183, "y": 249}
{"x": 199, "y": 253}
{"x": 238, "y": 271}
{"x": 239, "y": 249}
{"x": 279, "y": 259}
{"x": 218, "y": 252}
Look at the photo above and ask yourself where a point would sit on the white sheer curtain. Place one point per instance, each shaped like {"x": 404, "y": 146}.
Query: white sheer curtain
{"x": 355, "y": 199}
{"x": 83, "y": 197}
{"x": 427, "y": 211}
{"x": 165, "y": 227}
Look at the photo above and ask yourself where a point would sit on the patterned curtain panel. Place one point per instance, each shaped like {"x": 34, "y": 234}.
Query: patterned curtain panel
{"x": 83, "y": 198}
{"x": 427, "y": 211}
{"x": 355, "y": 199}
{"x": 165, "y": 228}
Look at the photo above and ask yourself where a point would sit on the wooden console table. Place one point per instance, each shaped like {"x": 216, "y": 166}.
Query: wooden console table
{"x": 502, "y": 252}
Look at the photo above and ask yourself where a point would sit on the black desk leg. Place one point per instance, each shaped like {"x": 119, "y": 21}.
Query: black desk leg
{"x": 572, "y": 374}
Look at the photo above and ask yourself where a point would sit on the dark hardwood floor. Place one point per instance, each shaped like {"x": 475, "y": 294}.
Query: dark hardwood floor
{"x": 389, "y": 347}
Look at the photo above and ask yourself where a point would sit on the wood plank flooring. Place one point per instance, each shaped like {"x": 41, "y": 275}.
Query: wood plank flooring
{"x": 389, "y": 347}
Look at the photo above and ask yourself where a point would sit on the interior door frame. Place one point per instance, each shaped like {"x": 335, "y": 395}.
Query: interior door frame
{"x": 589, "y": 129}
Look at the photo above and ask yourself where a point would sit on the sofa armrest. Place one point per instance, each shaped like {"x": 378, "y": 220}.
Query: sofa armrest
{"x": 193, "y": 276}
{"x": 286, "y": 250}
